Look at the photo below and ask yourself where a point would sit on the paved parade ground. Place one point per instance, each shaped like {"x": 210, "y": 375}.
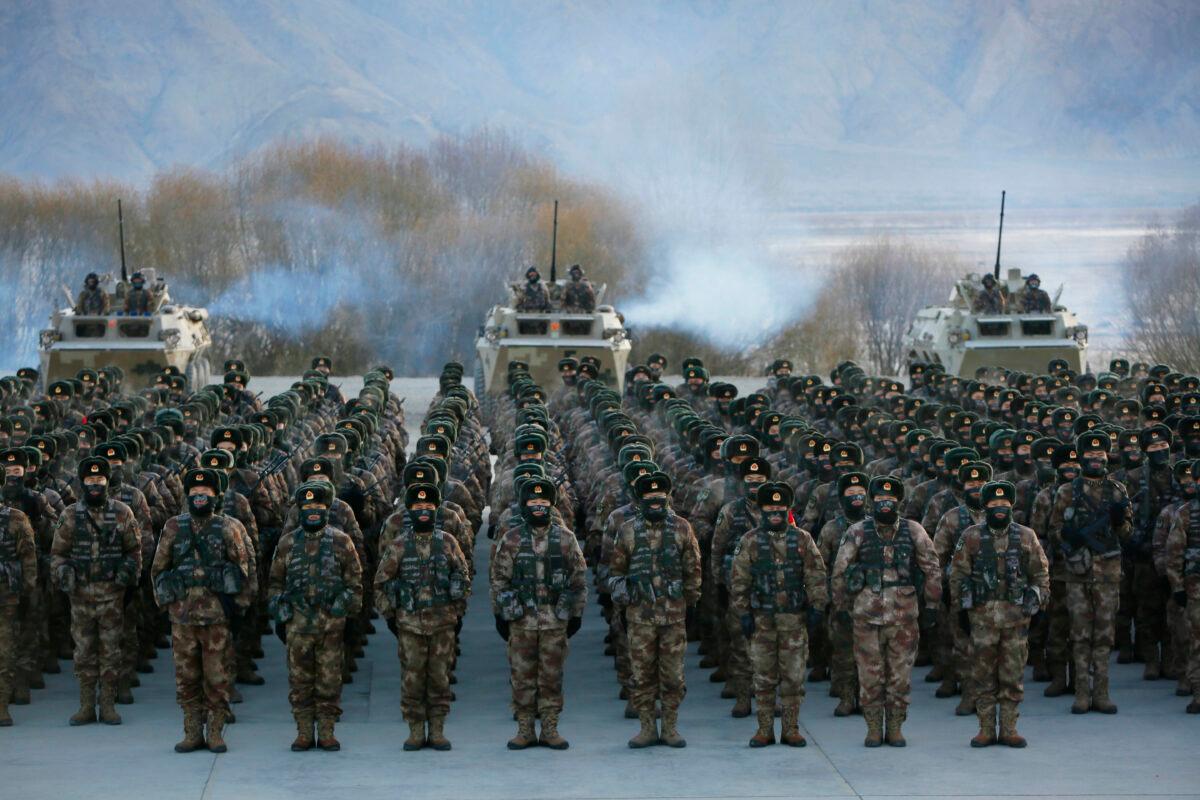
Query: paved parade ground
{"x": 1150, "y": 749}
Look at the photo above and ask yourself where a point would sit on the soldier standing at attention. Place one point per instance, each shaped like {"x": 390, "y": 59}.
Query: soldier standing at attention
{"x": 579, "y": 296}
{"x": 779, "y": 588}
{"x": 1183, "y": 572}
{"x": 421, "y": 589}
{"x": 1032, "y": 299}
{"x": 1089, "y": 522}
{"x": 92, "y": 300}
{"x": 883, "y": 564}
{"x": 539, "y": 592}
{"x": 999, "y": 579}
{"x": 201, "y": 576}
{"x": 532, "y": 296}
{"x": 95, "y": 558}
{"x": 315, "y": 586}
{"x": 139, "y": 299}
{"x": 18, "y": 584}
{"x": 654, "y": 579}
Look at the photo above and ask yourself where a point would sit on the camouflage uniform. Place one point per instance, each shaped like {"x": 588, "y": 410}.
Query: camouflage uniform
{"x": 1182, "y": 561}
{"x": 654, "y": 578}
{"x": 1091, "y": 576}
{"x": 422, "y": 582}
{"x": 315, "y": 585}
{"x": 95, "y": 558}
{"x": 18, "y": 581}
{"x": 202, "y": 577}
{"x": 992, "y": 588}
{"x": 538, "y": 583}
{"x": 954, "y": 645}
{"x": 735, "y": 519}
{"x": 844, "y": 671}
{"x": 871, "y": 566}
{"x": 778, "y": 577}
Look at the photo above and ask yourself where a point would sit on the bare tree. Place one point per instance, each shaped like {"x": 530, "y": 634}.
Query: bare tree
{"x": 880, "y": 285}
{"x": 1162, "y": 289}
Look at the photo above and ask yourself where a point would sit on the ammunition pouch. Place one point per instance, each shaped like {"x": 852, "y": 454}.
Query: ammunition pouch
{"x": 280, "y": 608}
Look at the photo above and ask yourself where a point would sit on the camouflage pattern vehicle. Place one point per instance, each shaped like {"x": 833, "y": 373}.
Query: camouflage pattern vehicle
{"x": 140, "y": 344}
{"x": 962, "y": 341}
{"x": 541, "y": 339}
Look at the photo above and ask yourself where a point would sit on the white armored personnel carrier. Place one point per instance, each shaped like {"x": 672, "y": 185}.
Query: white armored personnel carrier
{"x": 170, "y": 334}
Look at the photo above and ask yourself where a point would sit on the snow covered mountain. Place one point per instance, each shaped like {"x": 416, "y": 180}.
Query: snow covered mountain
{"x": 874, "y": 92}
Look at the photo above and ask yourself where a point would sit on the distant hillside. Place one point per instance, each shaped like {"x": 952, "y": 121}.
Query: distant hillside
{"x": 1065, "y": 95}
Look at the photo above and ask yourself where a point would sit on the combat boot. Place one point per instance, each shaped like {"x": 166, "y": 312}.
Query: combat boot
{"x": 1125, "y": 653}
{"x": 1194, "y": 706}
{"x": 524, "y": 737}
{"x": 416, "y": 736}
{"x": 124, "y": 692}
{"x": 966, "y": 704}
{"x": 648, "y": 735}
{"x": 935, "y": 674}
{"x": 437, "y": 737}
{"x": 1100, "y": 701}
{"x": 1153, "y": 670}
{"x": 50, "y": 664}
{"x": 708, "y": 662}
{"x": 1083, "y": 698}
{"x": 895, "y": 720}
{"x": 717, "y": 676}
{"x": 87, "y": 704}
{"x": 874, "y": 718}
{"x": 304, "y": 733}
{"x": 5, "y": 719}
{"x": 670, "y": 736}
{"x": 35, "y": 679}
{"x": 949, "y": 688}
{"x": 550, "y": 736}
{"x": 728, "y": 692}
{"x": 845, "y": 706}
{"x": 1038, "y": 662}
{"x": 790, "y": 734}
{"x": 987, "y": 726}
{"x": 818, "y": 675}
{"x": 216, "y": 726}
{"x": 20, "y": 688}
{"x": 765, "y": 735}
{"x": 1008, "y": 726}
{"x": 193, "y": 732}
{"x": 1058, "y": 682}
{"x": 325, "y": 738}
{"x": 741, "y": 708}
{"x": 108, "y": 711}
{"x": 249, "y": 677}
{"x": 1183, "y": 688}
{"x": 630, "y": 711}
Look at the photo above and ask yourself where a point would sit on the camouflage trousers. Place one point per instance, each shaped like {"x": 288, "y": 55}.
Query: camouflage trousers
{"x": 999, "y": 653}
{"x": 778, "y": 656}
{"x": 30, "y": 636}
{"x": 1058, "y": 627}
{"x": 1092, "y": 607}
{"x": 10, "y": 629}
{"x": 953, "y": 646}
{"x": 844, "y": 676}
{"x": 738, "y": 669}
{"x": 425, "y": 661}
{"x": 314, "y": 663}
{"x": 1192, "y": 614}
{"x": 130, "y": 637}
{"x": 1150, "y": 611}
{"x": 656, "y": 657}
{"x": 1177, "y": 629}
{"x": 1126, "y": 606}
{"x": 885, "y": 655}
{"x": 202, "y": 675}
{"x": 536, "y": 659}
{"x": 97, "y": 628}
{"x": 620, "y": 643}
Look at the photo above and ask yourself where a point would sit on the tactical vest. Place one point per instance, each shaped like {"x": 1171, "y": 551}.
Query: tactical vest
{"x": 416, "y": 572}
{"x": 314, "y": 582}
{"x": 1095, "y": 518}
{"x": 1191, "y": 550}
{"x": 11, "y": 570}
{"x": 768, "y": 579}
{"x": 645, "y": 565}
{"x": 875, "y": 557}
{"x": 200, "y": 559}
{"x": 530, "y": 591}
{"x": 105, "y": 565}
{"x": 984, "y": 581}
{"x": 742, "y": 524}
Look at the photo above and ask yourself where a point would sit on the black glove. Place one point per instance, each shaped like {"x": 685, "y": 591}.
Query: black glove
{"x": 573, "y": 625}
{"x": 1035, "y": 620}
{"x": 130, "y": 596}
{"x": 747, "y": 621}
{"x": 605, "y": 600}
{"x": 1181, "y": 598}
{"x": 502, "y": 627}
{"x": 689, "y": 616}
{"x": 281, "y": 631}
{"x": 1116, "y": 512}
{"x": 722, "y": 597}
{"x": 491, "y": 531}
{"x": 395, "y": 629}
{"x": 815, "y": 617}
{"x": 23, "y": 605}
{"x": 964, "y": 621}
{"x": 458, "y": 626}
{"x": 927, "y": 619}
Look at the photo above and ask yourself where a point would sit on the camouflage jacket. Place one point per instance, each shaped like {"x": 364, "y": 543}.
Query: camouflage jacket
{"x": 1081, "y": 565}
{"x": 18, "y": 557}
{"x": 998, "y": 611}
{"x": 893, "y": 604}
{"x": 672, "y": 588}
{"x": 433, "y": 609}
{"x": 320, "y": 587}
{"x": 806, "y": 556}
{"x": 191, "y": 599}
{"x": 555, "y": 582}
{"x": 69, "y": 569}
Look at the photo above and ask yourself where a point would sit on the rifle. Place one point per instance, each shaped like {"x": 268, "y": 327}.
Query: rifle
{"x": 554, "y": 245}
{"x": 1000, "y": 238}
{"x": 275, "y": 465}
{"x": 121, "y": 230}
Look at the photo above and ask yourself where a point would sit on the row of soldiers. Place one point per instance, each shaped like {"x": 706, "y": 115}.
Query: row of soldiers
{"x": 152, "y": 513}
{"x": 1018, "y": 462}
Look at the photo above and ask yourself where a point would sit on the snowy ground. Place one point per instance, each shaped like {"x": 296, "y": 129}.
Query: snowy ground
{"x": 1148, "y": 750}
